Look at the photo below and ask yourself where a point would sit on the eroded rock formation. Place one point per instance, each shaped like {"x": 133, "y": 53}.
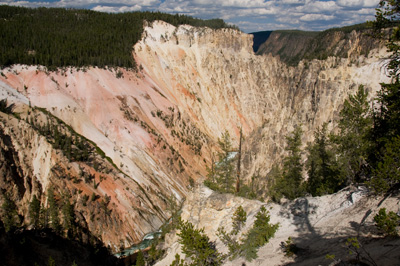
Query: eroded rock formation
{"x": 159, "y": 126}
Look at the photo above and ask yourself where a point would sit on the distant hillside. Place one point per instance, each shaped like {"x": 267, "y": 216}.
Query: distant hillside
{"x": 259, "y": 38}
{"x": 59, "y": 37}
{"x": 292, "y": 45}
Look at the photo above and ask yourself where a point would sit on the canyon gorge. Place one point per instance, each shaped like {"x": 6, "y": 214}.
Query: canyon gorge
{"x": 154, "y": 131}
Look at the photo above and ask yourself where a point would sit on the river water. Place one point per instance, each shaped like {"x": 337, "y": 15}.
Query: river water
{"x": 146, "y": 242}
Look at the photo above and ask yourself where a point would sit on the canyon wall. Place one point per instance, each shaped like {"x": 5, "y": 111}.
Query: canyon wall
{"x": 159, "y": 126}
{"x": 292, "y": 46}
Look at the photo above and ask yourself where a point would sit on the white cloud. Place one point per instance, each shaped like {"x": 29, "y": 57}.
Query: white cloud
{"x": 365, "y": 11}
{"x": 313, "y": 17}
{"x": 319, "y": 6}
{"x": 289, "y": 14}
{"x": 114, "y": 9}
{"x": 358, "y": 3}
{"x": 24, "y": 3}
{"x": 233, "y": 3}
{"x": 254, "y": 27}
{"x": 289, "y": 20}
{"x": 83, "y": 3}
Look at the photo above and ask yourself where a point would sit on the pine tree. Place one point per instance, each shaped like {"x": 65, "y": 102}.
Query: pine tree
{"x": 53, "y": 210}
{"x": 68, "y": 213}
{"x": 34, "y": 211}
{"x": 387, "y": 222}
{"x": 387, "y": 172}
{"x": 221, "y": 176}
{"x": 386, "y": 131}
{"x": 140, "y": 259}
{"x": 238, "y": 219}
{"x": 387, "y": 117}
{"x": 260, "y": 234}
{"x": 9, "y": 213}
{"x": 322, "y": 168}
{"x": 225, "y": 165}
{"x": 197, "y": 246}
{"x": 353, "y": 139}
{"x": 275, "y": 183}
{"x": 292, "y": 166}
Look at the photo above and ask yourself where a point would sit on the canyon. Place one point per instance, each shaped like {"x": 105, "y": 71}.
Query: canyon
{"x": 153, "y": 131}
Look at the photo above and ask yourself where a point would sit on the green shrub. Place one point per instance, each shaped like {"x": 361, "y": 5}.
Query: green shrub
{"x": 362, "y": 256}
{"x": 259, "y": 235}
{"x": 178, "y": 261}
{"x": 387, "y": 222}
{"x": 233, "y": 245}
{"x": 387, "y": 172}
{"x": 211, "y": 185}
{"x": 197, "y": 246}
{"x": 5, "y": 108}
{"x": 9, "y": 213}
{"x": 289, "y": 248}
{"x": 140, "y": 259}
{"x": 238, "y": 220}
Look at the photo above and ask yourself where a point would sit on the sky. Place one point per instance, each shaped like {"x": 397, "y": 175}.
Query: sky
{"x": 248, "y": 15}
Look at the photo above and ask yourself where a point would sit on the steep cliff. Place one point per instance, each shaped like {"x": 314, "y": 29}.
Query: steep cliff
{"x": 107, "y": 204}
{"x": 261, "y": 94}
{"x": 159, "y": 126}
{"x": 294, "y": 46}
{"x": 259, "y": 38}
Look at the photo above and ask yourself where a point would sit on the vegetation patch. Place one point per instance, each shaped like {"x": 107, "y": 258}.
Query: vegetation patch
{"x": 387, "y": 222}
{"x": 58, "y": 37}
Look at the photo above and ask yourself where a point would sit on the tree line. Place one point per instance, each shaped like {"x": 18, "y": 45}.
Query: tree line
{"x": 59, "y": 37}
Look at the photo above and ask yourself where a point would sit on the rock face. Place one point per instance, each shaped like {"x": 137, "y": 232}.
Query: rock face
{"x": 235, "y": 88}
{"x": 105, "y": 200}
{"x": 293, "y": 46}
{"x": 159, "y": 126}
{"x": 318, "y": 226}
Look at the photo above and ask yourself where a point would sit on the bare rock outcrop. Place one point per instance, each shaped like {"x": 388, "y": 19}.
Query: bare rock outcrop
{"x": 317, "y": 226}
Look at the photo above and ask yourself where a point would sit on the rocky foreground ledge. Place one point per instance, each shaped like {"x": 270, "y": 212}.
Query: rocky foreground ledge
{"x": 317, "y": 225}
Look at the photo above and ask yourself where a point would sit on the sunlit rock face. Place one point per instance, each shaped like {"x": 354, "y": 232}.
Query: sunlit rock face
{"x": 160, "y": 125}
{"x": 316, "y": 225}
{"x": 215, "y": 78}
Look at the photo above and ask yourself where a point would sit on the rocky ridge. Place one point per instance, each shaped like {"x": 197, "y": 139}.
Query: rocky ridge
{"x": 159, "y": 126}
{"x": 317, "y": 225}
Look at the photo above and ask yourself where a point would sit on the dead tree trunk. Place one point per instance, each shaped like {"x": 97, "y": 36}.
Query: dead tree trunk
{"x": 238, "y": 163}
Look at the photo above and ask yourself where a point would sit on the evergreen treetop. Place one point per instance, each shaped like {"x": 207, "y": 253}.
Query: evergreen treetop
{"x": 197, "y": 246}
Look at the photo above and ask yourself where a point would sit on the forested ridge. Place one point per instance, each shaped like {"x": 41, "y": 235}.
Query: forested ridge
{"x": 58, "y": 37}
{"x": 293, "y": 46}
